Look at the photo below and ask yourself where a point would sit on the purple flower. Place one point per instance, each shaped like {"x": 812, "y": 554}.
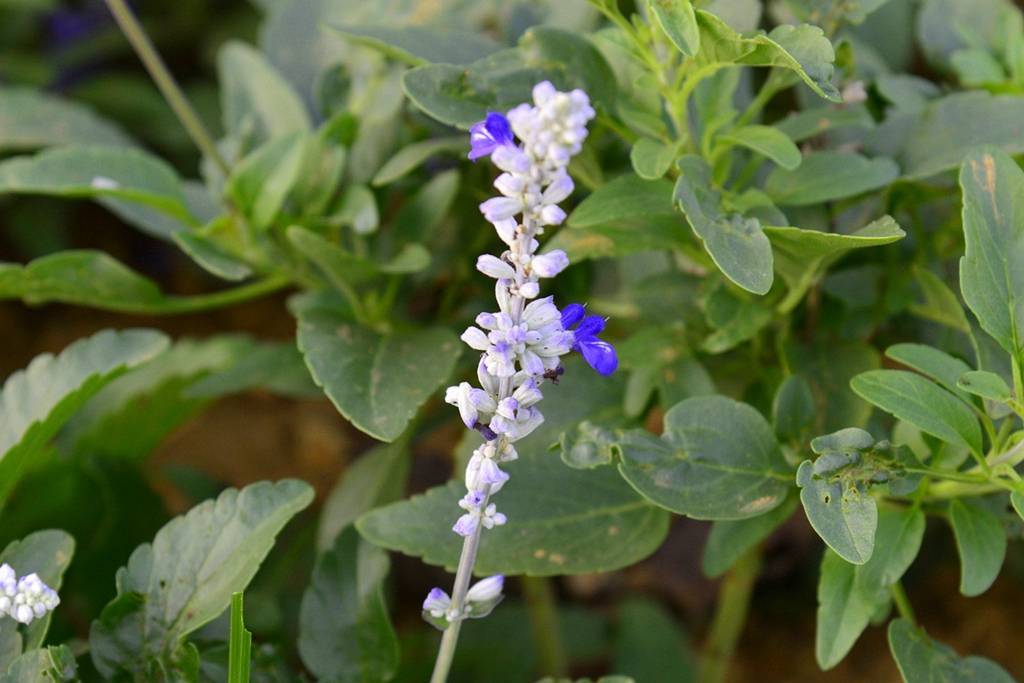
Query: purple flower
{"x": 488, "y": 135}
{"x": 599, "y": 354}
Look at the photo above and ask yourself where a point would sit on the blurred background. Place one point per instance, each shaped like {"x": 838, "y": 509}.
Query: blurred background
{"x": 112, "y": 504}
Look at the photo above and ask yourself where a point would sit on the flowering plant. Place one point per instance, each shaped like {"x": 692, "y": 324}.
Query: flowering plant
{"x": 750, "y": 313}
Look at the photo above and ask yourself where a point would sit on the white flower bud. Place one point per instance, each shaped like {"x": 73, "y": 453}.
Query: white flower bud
{"x": 494, "y": 267}
{"x": 549, "y": 264}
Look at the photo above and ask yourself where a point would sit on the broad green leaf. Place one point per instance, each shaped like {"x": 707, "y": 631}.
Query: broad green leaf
{"x": 827, "y": 176}
{"x": 270, "y": 366}
{"x": 358, "y": 209}
{"x": 679, "y": 22}
{"x": 806, "y": 124}
{"x": 623, "y": 199}
{"x": 897, "y": 542}
{"x": 376, "y": 381}
{"x": 962, "y": 121}
{"x": 650, "y": 646}
{"x": 411, "y": 156}
{"x": 729, "y": 540}
{"x": 240, "y": 643}
{"x": 462, "y": 95}
{"x": 992, "y": 269}
{"x": 416, "y": 45}
{"x": 254, "y": 97}
{"x": 560, "y": 520}
{"x": 683, "y": 378}
{"x": 186, "y": 577}
{"x": 587, "y": 446}
{"x": 210, "y": 256}
{"x": 922, "y": 660}
{"x": 977, "y": 68}
{"x": 793, "y": 408}
{"x": 51, "y": 664}
{"x": 733, "y": 319}
{"x": 931, "y": 362}
{"x": 30, "y": 119}
{"x": 135, "y": 185}
{"x": 767, "y": 141}
{"x": 651, "y": 158}
{"x": 914, "y": 399}
{"x": 803, "y": 256}
{"x": 260, "y": 182}
{"x": 844, "y": 517}
{"x": 48, "y": 554}
{"x": 985, "y": 384}
{"x": 375, "y": 479}
{"x": 1017, "y": 501}
{"x": 38, "y": 400}
{"x": 737, "y": 244}
{"x": 827, "y": 368}
{"x": 717, "y": 459}
{"x": 345, "y": 635}
{"x": 981, "y": 543}
{"x": 940, "y": 304}
{"x": 659, "y": 232}
{"x": 945, "y": 27}
{"x": 844, "y": 610}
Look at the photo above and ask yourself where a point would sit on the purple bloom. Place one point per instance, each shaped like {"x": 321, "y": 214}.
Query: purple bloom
{"x": 488, "y": 135}
{"x": 599, "y": 354}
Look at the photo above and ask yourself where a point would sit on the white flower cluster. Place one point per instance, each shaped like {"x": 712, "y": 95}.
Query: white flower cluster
{"x": 25, "y": 599}
{"x": 521, "y": 344}
{"x": 481, "y": 598}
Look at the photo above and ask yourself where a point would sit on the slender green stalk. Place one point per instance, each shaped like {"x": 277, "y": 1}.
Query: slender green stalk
{"x": 730, "y": 615}
{"x": 169, "y": 88}
{"x": 547, "y": 634}
{"x": 206, "y": 302}
{"x": 899, "y": 596}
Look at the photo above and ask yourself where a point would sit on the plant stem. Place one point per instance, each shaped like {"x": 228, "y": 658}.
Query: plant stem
{"x": 446, "y": 653}
{"x": 169, "y": 88}
{"x": 730, "y": 615}
{"x": 228, "y": 297}
{"x": 899, "y": 596}
{"x": 547, "y": 634}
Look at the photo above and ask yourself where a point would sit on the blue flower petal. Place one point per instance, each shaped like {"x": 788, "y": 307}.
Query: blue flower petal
{"x": 591, "y": 326}
{"x": 572, "y": 314}
{"x": 600, "y": 355}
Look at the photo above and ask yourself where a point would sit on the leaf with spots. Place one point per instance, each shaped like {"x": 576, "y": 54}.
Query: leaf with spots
{"x": 560, "y": 520}
{"x": 377, "y": 381}
{"x": 185, "y": 578}
{"x": 718, "y": 459}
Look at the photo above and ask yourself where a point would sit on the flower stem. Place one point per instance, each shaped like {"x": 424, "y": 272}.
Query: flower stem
{"x": 899, "y": 596}
{"x": 169, "y": 88}
{"x": 730, "y": 615}
{"x": 547, "y": 634}
{"x": 446, "y": 653}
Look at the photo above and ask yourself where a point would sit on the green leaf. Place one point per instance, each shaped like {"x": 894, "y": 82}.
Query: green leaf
{"x": 767, "y": 141}
{"x": 844, "y": 610}
{"x": 254, "y": 96}
{"x": 962, "y": 121}
{"x": 940, "y": 304}
{"x": 376, "y": 478}
{"x": 734, "y": 320}
{"x": 827, "y": 368}
{"x": 717, "y": 459}
{"x": 260, "y": 183}
{"x": 985, "y": 384}
{"x": 650, "y": 646}
{"x": 737, "y": 245}
{"x": 358, "y": 209}
{"x": 623, "y": 199}
{"x": 345, "y": 635}
{"x": 981, "y": 543}
{"x": 992, "y": 269}
{"x": 803, "y": 256}
{"x": 462, "y": 95}
{"x": 914, "y": 399}
{"x": 38, "y": 400}
{"x": 922, "y": 660}
{"x": 56, "y": 664}
{"x": 897, "y": 542}
{"x": 240, "y": 644}
{"x": 30, "y": 119}
{"x": 651, "y": 158}
{"x": 271, "y": 366}
{"x": 729, "y": 540}
{"x": 376, "y": 381}
{"x": 844, "y": 516}
{"x": 793, "y": 408}
{"x": 827, "y": 176}
{"x": 588, "y": 446}
{"x": 186, "y": 578}
{"x": 1017, "y": 501}
{"x": 806, "y": 124}
{"x": 211, "y": 257}
{"x": 416, "y": 45}
{"x": 599, "y": 523}
{"x": 677, "y": 19}
{"x": 411, "y": 156}
{"x": 47, "y": 553}
{"x": 130, "y": 182}
{"x": 933, "y": 363}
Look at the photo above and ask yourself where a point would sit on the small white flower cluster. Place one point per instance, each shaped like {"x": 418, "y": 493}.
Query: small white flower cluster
{"x": 521, "y": 344}
{"x": 25, "y": 599}
{"x": 481, "y": 598}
